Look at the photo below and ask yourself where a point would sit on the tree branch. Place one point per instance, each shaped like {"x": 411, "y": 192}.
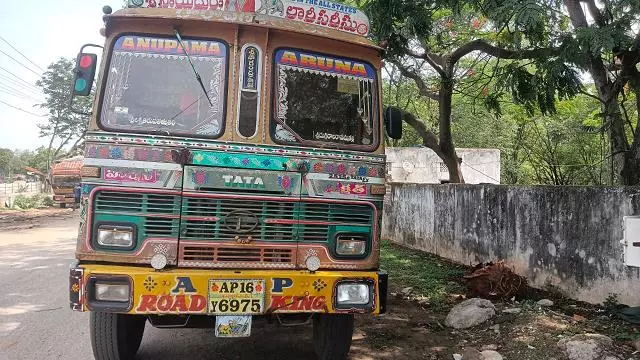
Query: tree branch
{"x": 420, "y": 83}
{"x": 595, "y": 13}
{"x": 435, "y": 61}
{"x": 429, "y": 139}
{"x": 498, "y": 52}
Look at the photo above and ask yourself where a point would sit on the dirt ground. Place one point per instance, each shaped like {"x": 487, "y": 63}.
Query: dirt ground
{"x": 27, "y": 219}
{"x": 414, "y": 331}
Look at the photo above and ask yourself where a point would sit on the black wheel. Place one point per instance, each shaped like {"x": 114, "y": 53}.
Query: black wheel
{"x": 332, "y": 336}
{"x": 63, "y": 205}
{"x": 116, "y": 336}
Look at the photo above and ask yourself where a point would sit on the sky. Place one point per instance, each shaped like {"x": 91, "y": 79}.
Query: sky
{"x": 43, "y": 31}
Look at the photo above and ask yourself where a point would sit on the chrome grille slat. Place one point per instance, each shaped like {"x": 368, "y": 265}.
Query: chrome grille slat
{"x": 237, "y": 254}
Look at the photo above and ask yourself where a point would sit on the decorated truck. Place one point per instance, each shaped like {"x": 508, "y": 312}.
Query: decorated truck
{"x": 64, "y": 176}
{"x": 234, "y": 172}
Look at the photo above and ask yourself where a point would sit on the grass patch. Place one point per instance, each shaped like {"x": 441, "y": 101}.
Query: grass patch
{"x": 427, "y": 274}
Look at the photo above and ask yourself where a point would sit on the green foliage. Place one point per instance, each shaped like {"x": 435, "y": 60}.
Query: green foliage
{"x": 31, "y": 202}
{"x": 6, "y": 160}
{"x": 426, "y": 273}
{"x": 611, "y": 302}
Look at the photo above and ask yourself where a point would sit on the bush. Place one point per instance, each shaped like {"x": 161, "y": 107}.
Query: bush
{"x": 30, "y": 202}
{"x": 48, "y": 201}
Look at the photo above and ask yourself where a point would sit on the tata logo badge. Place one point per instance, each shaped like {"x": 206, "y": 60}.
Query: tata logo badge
{"x": 241, "y": 222}
{"x": 245, "y": 182}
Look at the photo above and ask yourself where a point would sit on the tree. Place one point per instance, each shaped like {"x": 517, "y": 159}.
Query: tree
{"x": 609, "y": 48}
{"x": 439, "y": 44}
{"x": 6, "y": 160}
{"x": 63, "y": 127}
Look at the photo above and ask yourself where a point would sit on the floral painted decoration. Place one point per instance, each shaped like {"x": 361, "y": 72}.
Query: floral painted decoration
{"x": 285, "y": 182}
{"x": 200, "y": 177}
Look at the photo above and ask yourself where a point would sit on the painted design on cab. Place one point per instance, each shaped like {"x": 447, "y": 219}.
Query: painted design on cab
{"x": 183, "y": 298}
{"x": 200, "y": 177}
{"x": 323, "y": 14}
{"x": 286, "y": 182}
{"x": 204, "y": 144}
{"x": 319, "y": 284}
{"x": 119, "y": 152}
{"x": 290, "y": 303}
{"x": 347, "y": 188}
{"x": 150, "y": 283}
{"x": 131, "y": 175}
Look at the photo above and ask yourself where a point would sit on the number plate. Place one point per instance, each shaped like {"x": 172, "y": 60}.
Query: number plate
{"x": 236, "y": 297}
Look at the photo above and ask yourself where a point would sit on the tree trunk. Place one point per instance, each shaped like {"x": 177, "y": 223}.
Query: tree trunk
{"x": 608, "y": 91}
{"x": 631, "y": 169}
{"x": 449, "y": 157}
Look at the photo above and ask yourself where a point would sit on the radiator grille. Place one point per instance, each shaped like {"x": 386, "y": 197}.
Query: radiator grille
{"x": 237, "y": 254}
{"x": 275, "y": 221}
{"x": 156, "y": 215}
{"x": 238, "y": 217}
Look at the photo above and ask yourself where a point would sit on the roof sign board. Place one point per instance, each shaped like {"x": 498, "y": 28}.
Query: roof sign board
{"x": 314, "y": 12}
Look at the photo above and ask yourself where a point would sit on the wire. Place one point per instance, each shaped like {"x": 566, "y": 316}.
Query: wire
{"x": 18, "y": 94}
{"x": 18, "y": 77}
{"x": 19, "y": 63}
{"x": 10, "y": 81}
{"x": 23, "y": 55}
{"x": 490, "y": 177}
{"x": 24, "y": 111}
{"x": 18, "y": 90}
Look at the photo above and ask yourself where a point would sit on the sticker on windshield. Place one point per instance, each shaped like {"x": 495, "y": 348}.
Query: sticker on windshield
{"x": 348, "y": 86}
{"x": 146, "y": 44}
{"x": 325, "y": 64}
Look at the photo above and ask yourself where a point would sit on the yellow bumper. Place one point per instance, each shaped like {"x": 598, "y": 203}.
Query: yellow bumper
{"x": 187, "y": 291}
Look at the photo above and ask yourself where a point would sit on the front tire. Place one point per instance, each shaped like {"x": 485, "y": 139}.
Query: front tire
{"x": 63, "y": 205}
{"x": 332, "y": 336}
{"x": 116, "y": 336}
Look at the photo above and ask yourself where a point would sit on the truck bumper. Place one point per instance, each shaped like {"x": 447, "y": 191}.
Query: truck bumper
{"x": 191, "y": 291}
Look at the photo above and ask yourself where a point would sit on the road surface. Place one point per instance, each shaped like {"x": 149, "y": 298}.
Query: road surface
{"x": 36, "y": 322}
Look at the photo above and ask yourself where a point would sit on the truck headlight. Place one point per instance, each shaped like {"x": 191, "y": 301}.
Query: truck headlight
{"x": 353, "y": 294}
{"x": 115, "y": 236}
{"x": 350, "y": 247}
{"x": 112, "y": 292}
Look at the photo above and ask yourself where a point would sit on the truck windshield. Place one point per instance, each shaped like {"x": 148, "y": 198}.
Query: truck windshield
{"x": 65, "y": 181}
{"x": 322, "y": 99}
{"x": 151, "y": 87}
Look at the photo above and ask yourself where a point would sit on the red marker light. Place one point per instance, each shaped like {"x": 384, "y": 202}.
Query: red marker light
{"x": 85, "y": 61}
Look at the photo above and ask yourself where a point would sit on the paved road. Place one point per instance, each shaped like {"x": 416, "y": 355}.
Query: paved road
{"x": 36, "y": 322}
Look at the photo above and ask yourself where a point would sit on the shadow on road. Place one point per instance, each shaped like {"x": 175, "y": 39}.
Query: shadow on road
{"x": 268, "y": 343}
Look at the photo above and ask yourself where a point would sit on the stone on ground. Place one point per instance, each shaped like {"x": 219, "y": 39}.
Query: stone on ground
{"x": 585, "y": 346}
{"x": 471, "y": 353}
{"x": 490, "y": 355}
{"x": 512, "y": 311}
{"x": 470, "y": 313}
{"x": 545, "y": 302}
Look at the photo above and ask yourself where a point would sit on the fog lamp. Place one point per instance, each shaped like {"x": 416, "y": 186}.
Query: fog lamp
{"x": 115, "y": 236}
{"x": 313, "y": 263}
{"x": 353, "y": 294}
{"x": 350, "y": 247}
{"x": 158, "y": 261}
{"x": 112, "y": 292}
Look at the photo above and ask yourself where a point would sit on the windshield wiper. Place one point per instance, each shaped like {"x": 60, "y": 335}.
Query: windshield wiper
{"x": 175, "y": 31}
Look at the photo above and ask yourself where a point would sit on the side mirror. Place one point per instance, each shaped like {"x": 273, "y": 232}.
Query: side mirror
{"x": 83, "y": 75}
{"x": 393, "y": 122}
